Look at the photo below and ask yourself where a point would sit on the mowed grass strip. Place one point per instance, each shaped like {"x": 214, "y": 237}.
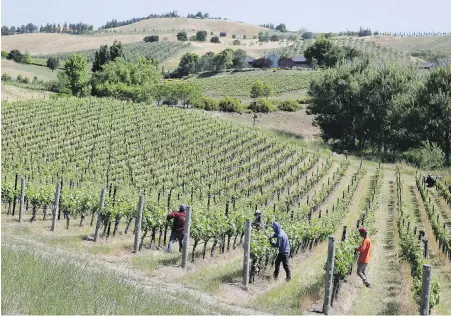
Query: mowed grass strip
{"x": 40, "y": 284}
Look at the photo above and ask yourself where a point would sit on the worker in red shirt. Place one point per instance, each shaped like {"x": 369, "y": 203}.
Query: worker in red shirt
{"x": 364, "y": 255}
{"x": 178, "y": 227}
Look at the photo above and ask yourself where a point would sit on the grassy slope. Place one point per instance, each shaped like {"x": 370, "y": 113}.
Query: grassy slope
{"x": 13, "y": 93}
{"x": 410, "y": 44}
{"x": 13, "y": 69}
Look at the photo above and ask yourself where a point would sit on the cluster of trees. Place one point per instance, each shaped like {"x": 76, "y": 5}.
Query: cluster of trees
{"x": 324, "y": 53}
{"x": 198, "y": 15}
{"x": 201, "y": 36}
{"x": 104, "y": 55}
{"x": 266, "y": 37}
{"x": 78, "y": 28}
{"x": 151, "y": 39}
{"x": 281, "y": 27}
{"x": 191, "y": 63}
{"x": 383, "y": 105}
{"x": 17, "y": 56}
{"x": 115, "y": 23}
{"x": 362, "y": 32}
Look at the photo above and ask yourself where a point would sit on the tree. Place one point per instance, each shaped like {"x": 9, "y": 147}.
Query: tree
{"x": 182, "y": 36}
{"x": 101, "y": 57}
{"x": 222, "y": 34}
{"x": 318, "y": 50}
{"x": 274, "y": 38}
{"x": 206, "y": 62}
{"x": 262, "y": 63}
{"x": 188, "y": 64}
{"x": 307, "y": 35}
{"x": 223, "y": 60}
{"x": 199, "y": 15}
{"x": 53, "y": 63}
{"x": 116, "y": 51}
{"x": 15, "y": 55}
{"x": 261, "y": 89}
{"x": 281, "y": 27}
{"x": 151, "y": 39}
{"x": 77, "y": 74}
{"x": 236, "y": 42}
{"x": 188, "y": 92}
{"x": 201, "y": 36}
{"x": 215, "y": 39}
{"x": 239, "y": 59}
{"x": 434, "y": 100}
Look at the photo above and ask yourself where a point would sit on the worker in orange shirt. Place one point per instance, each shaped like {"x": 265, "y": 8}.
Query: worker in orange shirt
{"x": 364, "y": 255}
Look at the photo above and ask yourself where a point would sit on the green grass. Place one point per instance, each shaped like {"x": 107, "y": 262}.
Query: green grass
{"x": 240, "y": 83}
{"x": 411, "y": 44}
{"x": 153, "y": 260}
{"x": 41, "y": 72}
{"x": 32, "y": 284}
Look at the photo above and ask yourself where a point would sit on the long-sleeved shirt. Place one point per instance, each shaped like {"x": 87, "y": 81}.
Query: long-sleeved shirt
{"x": 179, "y": 221}
{"x": 365, "y": 250}
{"x": 282, "y": 239}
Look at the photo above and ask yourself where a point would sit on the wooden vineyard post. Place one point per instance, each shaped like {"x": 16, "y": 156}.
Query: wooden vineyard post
{"x": 426, "y": 289}
{"x": 247, "y": 250}
{"x": 138, "y": 224}
{"x": 329, "y": 275}
{"x": 186, "y": 231}
{"x": 56, "y": 205}
{"x": 15, "y": 197}
{"x": 99, "y": 215}
{"x": 22, "y": 198}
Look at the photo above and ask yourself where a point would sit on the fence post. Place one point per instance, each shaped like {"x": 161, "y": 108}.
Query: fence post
{"x": 425, "y": 241}
{"x": 22, "y": 198}
{"x": 56, "y": 205}
{"x": 138, "y": 224}
{"x": 15, "y": 196}
{"x": 99, "y": 215}
{"x": 329, "y": 275}
{"x": 426, "y": 289}
{"x": 247, "y": 250}
{"x": 186, "y": 232}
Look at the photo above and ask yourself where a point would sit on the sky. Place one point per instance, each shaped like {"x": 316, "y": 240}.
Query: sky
{"x": 314, "y": 15}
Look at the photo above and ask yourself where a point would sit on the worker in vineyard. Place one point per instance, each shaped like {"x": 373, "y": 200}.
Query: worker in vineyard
{"x": 283, "y": 245}
{"x": 364, "y": 255}
{"x": 259, "y": 222}
{"x": 178, "y": 227}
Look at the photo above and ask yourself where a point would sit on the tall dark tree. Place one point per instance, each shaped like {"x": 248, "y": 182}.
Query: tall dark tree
{"x": 101, "y": 57}
{"x": 52, "y": 63}
{"x": 281, "y": 27}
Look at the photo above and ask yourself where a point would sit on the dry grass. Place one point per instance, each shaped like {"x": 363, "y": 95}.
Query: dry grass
{"x": 12, "y": 93}
{"x": 409, "y": 44}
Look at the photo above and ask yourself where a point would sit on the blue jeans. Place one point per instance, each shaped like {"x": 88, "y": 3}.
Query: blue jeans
{"x": 175, "y": 236}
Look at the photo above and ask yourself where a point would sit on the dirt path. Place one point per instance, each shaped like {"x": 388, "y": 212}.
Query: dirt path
{"x": 134, "y": 276}
{"x": 389, "y": 293}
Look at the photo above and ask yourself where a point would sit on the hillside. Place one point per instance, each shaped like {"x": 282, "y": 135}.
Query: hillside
{"x": 411, "y": 44}
{"x": 172, "y": 25}
{"x": 14, "y": 69}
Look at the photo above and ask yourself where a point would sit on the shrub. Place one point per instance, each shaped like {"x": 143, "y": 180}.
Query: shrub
{"x": 233, "y": 36}
{"x": 6, "y": 77}
{"x": 261, "y": 89}
{"x": 236, "y": 42}
{"x": 207, "y": 104}
{"x": 230, "y": 105}
{"x": 304, "y": 100}
{"x": 215, "y": 39}
{"x": 262, "y": 106}
{"x": 26, "y": 80}
{"x": 19, "y": 78}
{"x": 430, "y": 156}
{"x": 15, "y": 55}
{"x": 182, "y": 36}
{"x": 151, "y": 39}
{"x": 244, "y": 36}
{"x": 4, "y": 54}
{"x": 289, "y": 106}
{"x": 223, "y": 34}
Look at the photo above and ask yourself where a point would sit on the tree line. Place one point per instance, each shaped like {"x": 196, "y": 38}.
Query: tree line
{"x": 78, "y": 28}
{"x": 385, "y": 106}
{"x": 115, "y": 23}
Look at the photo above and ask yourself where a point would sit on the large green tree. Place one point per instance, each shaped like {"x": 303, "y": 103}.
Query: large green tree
{"x": 435, "y": 100}
{"x": 188, "y": 64}
{"x": 76, "y": 72}
{"x": 52, "y": 63}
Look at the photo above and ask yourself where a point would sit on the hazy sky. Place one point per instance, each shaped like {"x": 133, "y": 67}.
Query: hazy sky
{"x": 315, "y": 15}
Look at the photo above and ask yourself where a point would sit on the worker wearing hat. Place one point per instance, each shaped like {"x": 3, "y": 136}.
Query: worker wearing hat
{"x": 364, "y": 255}
{"x": 258, "y": 223}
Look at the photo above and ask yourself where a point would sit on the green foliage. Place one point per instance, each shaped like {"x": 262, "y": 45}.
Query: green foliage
{"x": 233, "y": 36}
{"x": 151, "y": 39}
{"x": 15, "y": 55}
{"x": 307, "y": 35}
{"x": 125, "y": 80}
{"x": 26, "y": 59}
{"x": 52, "y": 63}
{"x": 201, "y": 36}
{"x": 281, "y": 27}
{"x": 207, "y": 104}
{"x": 239, "y": 59}
{"x": 230, "y": 105}
{"x": 429, "y": 156}
{"x": 261, "y": 89}
{"x": 4, "y": 54}
{"x": 289, "y": 106}
{"x": 236, "y": 42}
{"x": 6, "y": 77}
{"x": 262, "y": 106}
{"x": 77, "y": 75}
{"x": 223, "y": 60}
{"x": 215, "y": 39}
{"x": 188, "y": 64}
